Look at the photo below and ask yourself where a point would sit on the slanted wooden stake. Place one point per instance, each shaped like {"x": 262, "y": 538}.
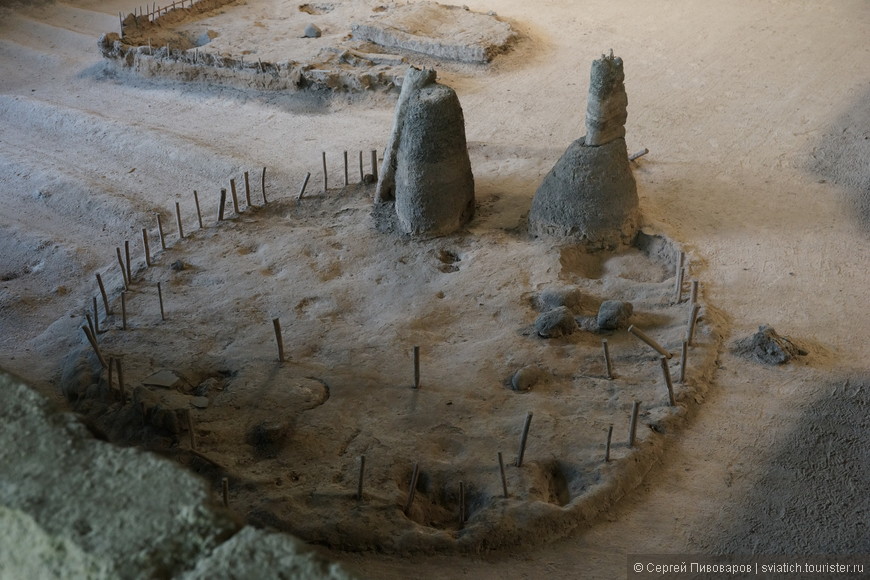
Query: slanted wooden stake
{"x": 362, "y": 470}
{"x": 693, "y": 319}
{"x": 191, "y": 430}
{"x": 225, "y": 491}
{"x": 263, "y": 184}
{"x": 608, "y": 365}
{"x": 147, "y": 247}
{"x": 412, "y": 489}
{"x": 103, "y": 293}
{"x": 678, "y": 290}
{"x": 503, "y": 478}
{"x": 235, "y": 197}
{"x": 304, "y": 184}
{"x": 638, "y": 155}
{"x": 652, "y": 344}
{"x": 361, "y": 175}
{"x": 90, "y": 322}
{"x": 160, "y": 299}
{"x": 198, "y": 212}
{"x": 607, "y": 448}
{"x": 461, "y": 504}
{"x": 96, "y": 317}
{"x": 684, "y": 352}
{"x": 694, "y": 295}
{"x": 123, "y": 269}
{"x": 121, "y": 381}
{"x": 247, "y": 190}
{"x": 375, "y": 164}
{"x": 178, "y": 221}
{"x": 223, "y": 204}
{"x": 325, "y": 185}
{"x": 123, "y": 311}
{"x": 279, "y": 339}
{"x": 127, "y": 256}
{"x": 346, "y": 182}
{"x": 666, "y": 372}
{"x": 632, "y": 430}
{"x": 93, "y": 340}
{"x": 160, "y": 232}
{"x": 523, "y": 439}
{"x": 416, "y": 367}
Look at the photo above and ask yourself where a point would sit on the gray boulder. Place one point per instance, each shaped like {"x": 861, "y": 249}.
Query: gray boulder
{"x": 312, "y": 31}
{"x": 555, "y": 323}
{"x": 555, "y": 297}
{"x": 768, "y": 347}
{"x": 526, "y": 378}
{"x": 614, "y": 314}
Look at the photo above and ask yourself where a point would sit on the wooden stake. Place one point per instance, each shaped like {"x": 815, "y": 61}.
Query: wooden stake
{"x": 223, "y": 204}
{"x": 121, "y": 381}
{"x": 235, "y": 197}
{"x": 361, "y": 175}
{"x": 693, "y": 318}
{"x": 109, "y": 378}
{"x": 178, "y": 221}
{"x": 90, "y": 322}
{"x": 127, "y": 255}
{"x": 247, "y": 190}
{"x": 190, "y": 430}
{"x": 461, "y": 504}
{"x": 666, "y": 371}
{"x": 123, "y": 269}
{"x": 653, "y": 344}
{"x": 523, "y": 439}
{"x": 123, "y": 311}
{"x": 198, "y": 212}
{"x": 263, "y": 182}
{"x": 276, "y": 323}
{"x": 416, "y": 367}
{"x": 160, "y": 232}
{"x": 324, "y": 172}
{"x": 147, "y": 247}
{"x": 638, "y": 155}
{"x": 375, "y": 164}
{"x": 632, "y": 431}
{"x": 607, "y": 363}
{"x": 103, "y": 293}
{"x": 96, "y": 317}
{"x": 346, "y": 182}
{"x": 694, "y": 295}
{"x": 160, "y": 299}
{"x": 362, "y": 470}
{"x": 678, "y": 290}
{"x": 93, "y": 340}
{"x": 412, "y": 489}
{"x": 225, "y": 491}
{"x": 503, "y": 478}
{"x": 607, "y": 448}
{"x": 684, "y": 351}
{"x": 304, "y": 183}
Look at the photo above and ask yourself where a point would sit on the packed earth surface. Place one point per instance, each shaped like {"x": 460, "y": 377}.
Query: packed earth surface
{"x": 757, "y": 171}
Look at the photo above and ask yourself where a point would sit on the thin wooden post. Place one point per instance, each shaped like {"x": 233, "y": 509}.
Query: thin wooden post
{"x": 362, "y": 470}
{"x": 235, "y": 197}
{"x": 247, "y": 190}
{"x": 90, "y": 322}
{"x": 375, "y": 164}
{"x": 608, "y": 365}
{"x": 263, "y": 184}
{"x": 276, "y": 323}
{"x": 178, "y": 221}
{"x": 225, "y": 491}
{"x": 223, "y": 204}
{"x": 304, "y": 183}
{"x": 346, "y": 182}
{"x": 96, "y": 317}
{"x": 461, "y": 504}
{"x": 127, "y": 255}
{"x": 684, "y": 352}
{"x": 123, "y": 269}
{"x": 694, "y": 294}
{"x": 198, "y": 212}
{"x": 109, "y": 378}
{"x": 121, "y": 381}
{"x": 325, "y": 184}
{"x": 147, "y": 247}
{"x": 632, "y": 430}
{"x": 412, "y": 489}
{"x": 191, "y": 430}
{"x": 693, "y": 319}
{"x": 103, "y": 293}
{"x": 93, "y": 340}
{"x": 678, "y": 290}
{"x": 523, "y": 439}
{"x": 503, "y": 478}
{"x": 607, "y": 448}
{"x": 160, "y": 232}
{"x": 160, "y": 299}
{"x": 666, "y": 371}
{"x": 123, "y": 311}
{"x": 361, "y": 175}
{"x": 649, "y": 341}
{"x": 416, "y": 367}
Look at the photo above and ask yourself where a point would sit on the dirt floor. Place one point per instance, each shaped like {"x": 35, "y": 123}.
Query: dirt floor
{"x": 755, "y": 114}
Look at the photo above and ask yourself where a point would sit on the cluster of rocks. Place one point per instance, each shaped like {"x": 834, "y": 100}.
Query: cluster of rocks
{"x": 561, "y": 314}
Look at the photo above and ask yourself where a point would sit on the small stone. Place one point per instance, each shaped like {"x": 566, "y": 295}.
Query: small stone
{"x": 555, "y": 297}
{"x": 555, "y": 323}
{"x": 203, "y": 388}
{"x": 526, "y": 378}
{"x": 368, "y": 179}
{"x": 177, "y": 265}
{"x": 199, "y": 402}
{"x": 614, "y": 314}
{"x": 164, "y": 378}
{"x": 768, "y": 347}
{"x": 312, "y": 31}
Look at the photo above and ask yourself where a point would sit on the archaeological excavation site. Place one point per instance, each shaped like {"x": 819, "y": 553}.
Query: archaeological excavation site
{"x": 362, "y": 289}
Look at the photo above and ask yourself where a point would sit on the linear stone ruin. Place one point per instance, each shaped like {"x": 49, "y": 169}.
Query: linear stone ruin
{"x": 590, "y": 194}
{"x": 426, "y": 172}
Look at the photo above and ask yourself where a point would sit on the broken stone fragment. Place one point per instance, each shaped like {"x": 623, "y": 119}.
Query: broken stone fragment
{"x": 614, "y": 314}
{"x": 768, "y": 347}
{"x": 554, "y": 297}
{"x": 312, "y": 31}
{"x": 555, "y": 323}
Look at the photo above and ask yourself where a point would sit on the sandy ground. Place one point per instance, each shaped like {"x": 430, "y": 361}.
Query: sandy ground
{"x": 755, "y": 115}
